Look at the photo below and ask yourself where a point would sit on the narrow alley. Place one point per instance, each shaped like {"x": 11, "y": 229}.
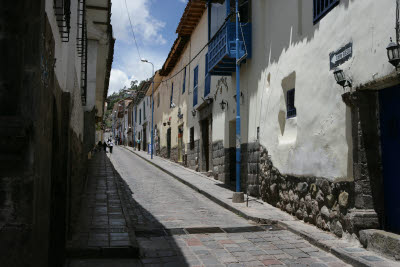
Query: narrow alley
{"x": 177, "y": 226}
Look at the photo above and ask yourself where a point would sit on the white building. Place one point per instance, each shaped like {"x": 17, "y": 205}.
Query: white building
{"x": 309, "y": 146}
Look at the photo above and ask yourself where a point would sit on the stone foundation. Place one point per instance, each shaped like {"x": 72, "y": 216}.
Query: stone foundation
{"x": 193, "y": 155}
{"x": 221, "y": 162}
{"x": 250, "y": 168}
{"x": 328, "y": 205}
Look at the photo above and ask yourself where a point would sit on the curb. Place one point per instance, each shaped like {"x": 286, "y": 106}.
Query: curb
{"x": 209, "y": 196}
{"x": 346, "y": 257}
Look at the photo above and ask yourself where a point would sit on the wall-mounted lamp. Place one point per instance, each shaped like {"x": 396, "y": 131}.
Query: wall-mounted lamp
{"x": 393, "y": 53}
{"x": 223, "y": 104}
{"x": 193, "y": 112}
{"x": 341, "y": 78}
{"x": 180, "y": 115}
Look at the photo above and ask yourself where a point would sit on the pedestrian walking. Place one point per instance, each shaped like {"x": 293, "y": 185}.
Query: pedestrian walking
{"x": 105, "y": 146}
{"x": 138, "y": 144}
{"x": 110, "y": 146}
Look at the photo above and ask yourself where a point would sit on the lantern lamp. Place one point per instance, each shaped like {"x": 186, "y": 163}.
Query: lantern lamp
{"x": 339, "y": 77}
{"x": 222, "y": 104}
{"x": 393, "y": 53}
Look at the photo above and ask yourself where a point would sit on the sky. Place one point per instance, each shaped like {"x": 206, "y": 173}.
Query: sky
{"x": 154, "y": 24}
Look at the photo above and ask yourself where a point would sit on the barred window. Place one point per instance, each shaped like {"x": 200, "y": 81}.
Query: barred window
{"x": 322, "y": 7}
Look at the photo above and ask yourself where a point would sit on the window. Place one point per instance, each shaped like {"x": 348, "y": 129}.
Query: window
{"x": 144, "y": 110}
{"x": 158, "y": 100}
{"x": 290, "y": 108}
{"x": 135, "y": 114}
{"x": 191, "y": 138}
{"x": 195, "y": 80}
{"x": 184, "y": 81}
{"x": 207, "y": 80}
{"x": 140, "y": 116}
{"x": 172, "y": 94}
{"x": 322, "y": 7}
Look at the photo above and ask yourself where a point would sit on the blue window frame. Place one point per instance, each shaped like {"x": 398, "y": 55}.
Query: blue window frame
{"x": 144, "y": 110}
{"x": 290, "y": 108}
{"x": 195, "y": 83}
{"x": 322, "y": 7}
{"x": 135, "y": 114}
{"x": 184, "y": 81}
{"x": 140, "y": 116}
{"x": 207, "y": 81}
{"x": 172, "y": 94}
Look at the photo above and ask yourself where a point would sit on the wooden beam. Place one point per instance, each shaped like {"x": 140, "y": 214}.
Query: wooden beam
{"x": 97, "y": 8}
{"x": 100, "y": 23}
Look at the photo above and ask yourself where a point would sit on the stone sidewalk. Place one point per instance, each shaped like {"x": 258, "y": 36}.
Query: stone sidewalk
{"x": 103, "y": 227}
{"x": 261, "y": 212}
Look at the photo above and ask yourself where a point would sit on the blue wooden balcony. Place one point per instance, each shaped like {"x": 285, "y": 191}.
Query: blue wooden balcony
{"x": 221, "y": 55}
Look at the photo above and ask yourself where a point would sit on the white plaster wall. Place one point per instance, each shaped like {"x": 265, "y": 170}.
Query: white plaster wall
{"x": 182, "y": 101}
{"x": 198, "y": 39}
{"x": 288, "y": 50}
{"x": 147, "y": 118}
{"x": 67, "y": 69}
{"x": 91, "y": 74}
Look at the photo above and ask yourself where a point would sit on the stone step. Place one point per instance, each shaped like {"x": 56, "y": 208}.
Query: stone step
{"x": 128, "y": 252}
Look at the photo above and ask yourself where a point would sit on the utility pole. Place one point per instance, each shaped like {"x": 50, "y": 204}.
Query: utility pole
{"x": 152, "y": 108}
{"x": 238, "y": 196}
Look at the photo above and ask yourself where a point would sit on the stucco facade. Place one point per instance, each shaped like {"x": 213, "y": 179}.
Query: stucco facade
{"x": 307, "y": 143}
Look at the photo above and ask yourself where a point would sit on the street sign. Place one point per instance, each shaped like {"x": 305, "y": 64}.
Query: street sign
{"x": 341, "y": 55}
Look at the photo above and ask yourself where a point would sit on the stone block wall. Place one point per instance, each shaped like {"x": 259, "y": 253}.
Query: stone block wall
{"x": 193, "y": 155}
{"x": 220, "y": 158}
{"x": 163, "y": 152}
{"x": 250, "y": 153}
{"x": 315, "y": 200}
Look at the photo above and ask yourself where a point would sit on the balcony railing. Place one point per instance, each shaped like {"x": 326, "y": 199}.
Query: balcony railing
{"x": 222, "y": 48}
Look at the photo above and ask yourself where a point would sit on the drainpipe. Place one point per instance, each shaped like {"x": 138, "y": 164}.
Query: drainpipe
{"x": 237, "y": 101}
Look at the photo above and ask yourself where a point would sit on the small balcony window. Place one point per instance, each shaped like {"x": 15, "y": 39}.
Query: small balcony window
{"x": 290, "y": 108}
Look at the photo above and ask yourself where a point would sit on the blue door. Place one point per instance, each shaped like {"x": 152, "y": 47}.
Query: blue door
{"x": 390, "y": 138}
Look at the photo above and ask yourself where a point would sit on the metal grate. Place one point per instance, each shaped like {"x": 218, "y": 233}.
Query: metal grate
{"x": 62, "y": 11}
{"x": 81, "y": 47}
{"x": 322, "y": 7}
{"x": 204, "y": 230}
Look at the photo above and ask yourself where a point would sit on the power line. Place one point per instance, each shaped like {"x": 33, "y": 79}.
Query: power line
{"x": 201, "y": 50}
{"x": 133, "y": 33}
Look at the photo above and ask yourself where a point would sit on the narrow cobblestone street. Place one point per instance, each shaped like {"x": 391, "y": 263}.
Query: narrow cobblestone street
{"x": 176, "y": 226}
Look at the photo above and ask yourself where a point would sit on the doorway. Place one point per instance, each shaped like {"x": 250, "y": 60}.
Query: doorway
{"x": 144, "y": 138}
{"x": 232, "y": 152}
{"x": 169, "y": 143}
{"x": 180, "y": 143}
{"x": 390, "y": 141}
{"x": 205, "y": 155}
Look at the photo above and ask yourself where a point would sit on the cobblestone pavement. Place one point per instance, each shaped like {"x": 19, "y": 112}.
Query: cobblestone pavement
{"x": 176, "y": 226}
{"x": 102, "y": 227}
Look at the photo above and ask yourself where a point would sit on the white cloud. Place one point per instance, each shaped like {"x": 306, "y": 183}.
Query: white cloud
{"x": 146, "y": 28}
{"x": 118, "y": 79}
{"x": 183, "y": 1}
